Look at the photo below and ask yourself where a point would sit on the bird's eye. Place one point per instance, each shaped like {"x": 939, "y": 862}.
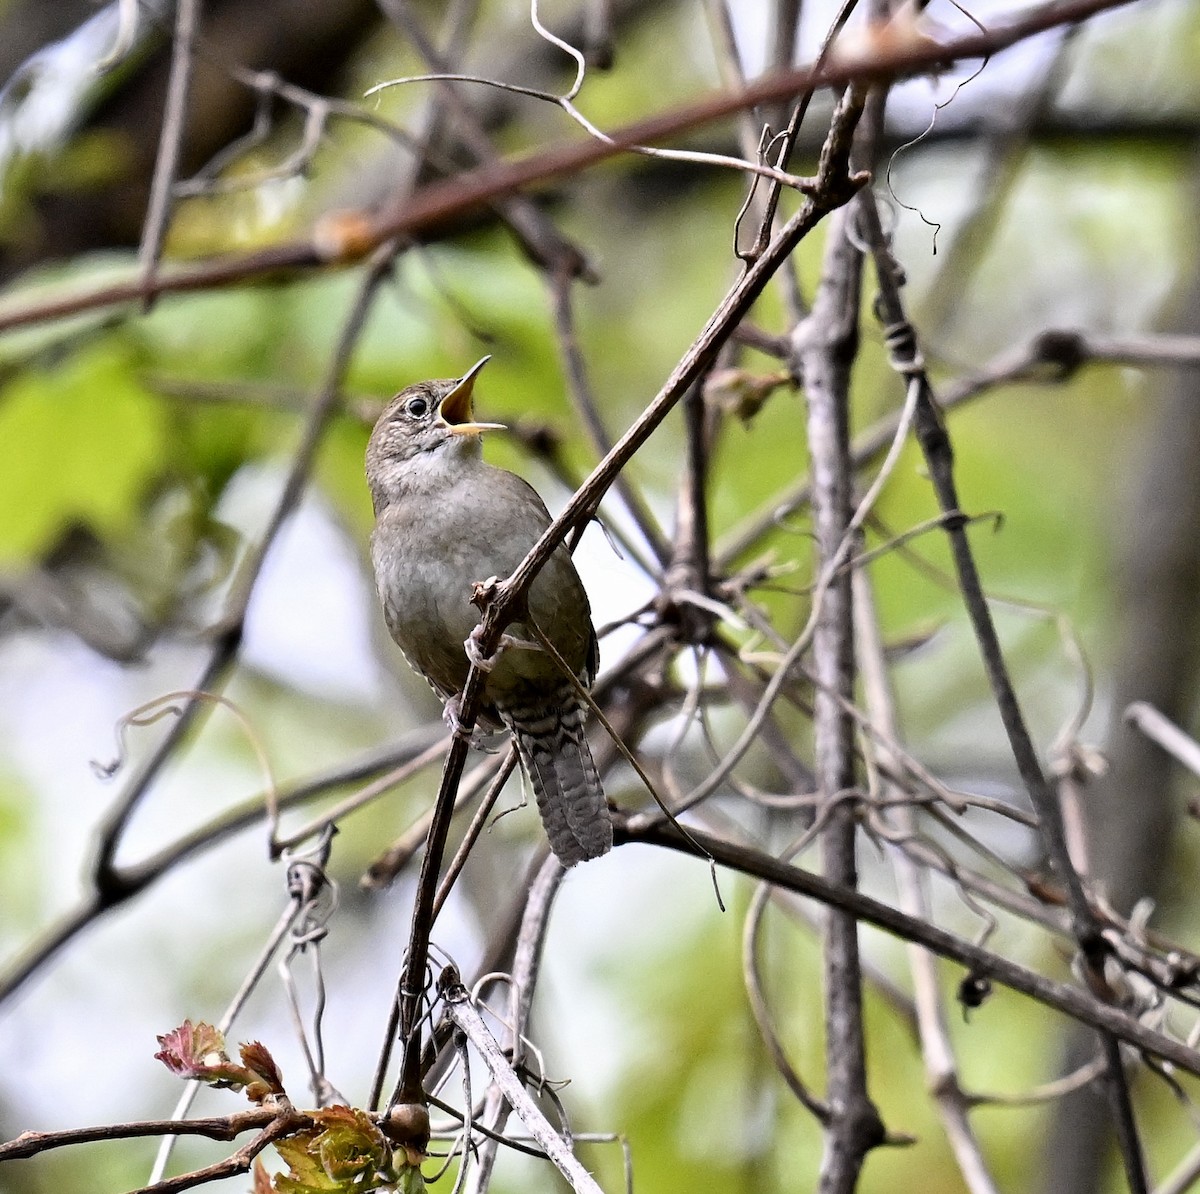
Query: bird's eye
{"x": 415, "y": 408}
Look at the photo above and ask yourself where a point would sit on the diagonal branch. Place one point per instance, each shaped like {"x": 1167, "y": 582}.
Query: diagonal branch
{"x": 939, "y": 457}
{"x": 462, "y": 1011}
{"x": 502, "y": 601}
{"x": 348, "y": 236}
{"x": 1062, "y": 997}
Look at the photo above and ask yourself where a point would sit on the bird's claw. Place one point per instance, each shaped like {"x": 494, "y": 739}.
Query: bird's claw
{"x": 475, "y": 654}
{"x": 476, "y": 738}
{"x": 485, "y": 663}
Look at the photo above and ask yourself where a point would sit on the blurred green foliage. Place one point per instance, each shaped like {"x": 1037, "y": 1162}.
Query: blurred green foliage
{"x": 79, "y": 441}
{"x": 90, "y": 438}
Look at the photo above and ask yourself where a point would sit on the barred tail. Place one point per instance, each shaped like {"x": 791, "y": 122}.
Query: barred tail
{"x": 554, "y": 752}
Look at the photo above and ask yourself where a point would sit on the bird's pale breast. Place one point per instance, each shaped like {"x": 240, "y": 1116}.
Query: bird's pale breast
{"x": 429, "y": 548}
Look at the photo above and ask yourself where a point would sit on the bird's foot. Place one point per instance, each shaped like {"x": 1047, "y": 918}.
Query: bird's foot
{"x": 475, "y": 654}
{"x": 476, "y": 739}
{"x": 485, "y": 663}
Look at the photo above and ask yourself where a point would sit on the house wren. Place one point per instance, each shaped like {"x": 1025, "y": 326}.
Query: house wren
{"x": 444, "y": 520}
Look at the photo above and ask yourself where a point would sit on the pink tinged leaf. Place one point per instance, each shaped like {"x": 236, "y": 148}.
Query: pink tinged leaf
{"x": 191, "y": 1048}
{"x": 267, "y": 1079}
{"x": 198, "y": 1051}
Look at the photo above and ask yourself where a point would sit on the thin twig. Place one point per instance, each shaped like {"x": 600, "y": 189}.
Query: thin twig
{"x": 584, "y": 401}
{"x": 938, "y": 453}
{"x": 187, "y": 17}
{"x": 533, "y": 228}
{"x": 431, "y": 208}
{"x": 1063, "y": 997}
{"x": 752, "y": 976}
{"x": 826, "y": 344}
{"x": 216, "y": 1127}
{"x": 478, "y": 821}
{"x": 459, "y": 1008}
{"x": 937, "y": 1049}
{"x": 1158, "y": 728}
{"x": 531, "y": 942}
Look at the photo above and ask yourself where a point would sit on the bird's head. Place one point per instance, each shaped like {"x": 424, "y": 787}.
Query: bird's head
{"x": 424, "y": 423}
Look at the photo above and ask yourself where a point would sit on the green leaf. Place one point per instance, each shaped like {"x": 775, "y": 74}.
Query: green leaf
{"x": 78, "y": 443}
{"x": 345, "y": 1153}
{"x": 306, "y": 1174}
{"x": 351, "y": 1144}
{"x": 410, "y": 1181}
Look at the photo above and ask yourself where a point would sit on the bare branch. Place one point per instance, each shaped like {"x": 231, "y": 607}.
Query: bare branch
{"x": 187, "y": 16}
{"x": 346, "y": 237}
{"x": 1070, "y": 1000}
{"x": 459, "y": 1008}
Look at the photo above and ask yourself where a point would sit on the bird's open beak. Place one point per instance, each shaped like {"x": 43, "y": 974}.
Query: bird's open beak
{"x": 456, "y": 406}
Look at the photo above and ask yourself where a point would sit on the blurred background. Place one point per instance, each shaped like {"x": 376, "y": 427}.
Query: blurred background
{"x": 145, "y": 451}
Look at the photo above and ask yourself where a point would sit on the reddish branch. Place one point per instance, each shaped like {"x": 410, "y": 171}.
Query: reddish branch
{"x": 347, "y": 237}
{"x": 215, "y": 1127}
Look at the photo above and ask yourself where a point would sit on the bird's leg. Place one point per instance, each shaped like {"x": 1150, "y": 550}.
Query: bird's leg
{"x": 476, "y": 739}
{"x": 482, "y": 592}
{"x": 485, "y": 663}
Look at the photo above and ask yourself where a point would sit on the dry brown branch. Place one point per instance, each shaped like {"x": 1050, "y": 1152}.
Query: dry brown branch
{"x": 347, "y": 237}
